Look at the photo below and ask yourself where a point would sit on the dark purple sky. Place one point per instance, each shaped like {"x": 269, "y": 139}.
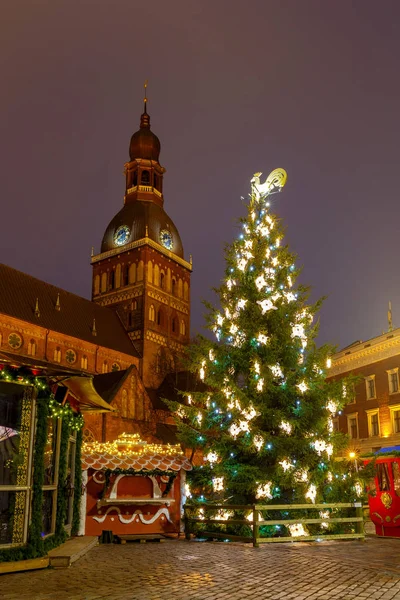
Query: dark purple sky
{"x": 235, "y": 87}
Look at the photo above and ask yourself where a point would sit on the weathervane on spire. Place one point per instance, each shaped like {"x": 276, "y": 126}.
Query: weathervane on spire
{"x": 145, "y": 95}
{"x": 274, "y": 183}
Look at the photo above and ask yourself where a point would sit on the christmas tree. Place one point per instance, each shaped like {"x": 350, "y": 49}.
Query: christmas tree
{"x": 262, "y": 431}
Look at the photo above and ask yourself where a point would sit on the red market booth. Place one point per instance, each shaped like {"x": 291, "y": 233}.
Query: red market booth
{"x": 384, "y": 492}
{"x": 131, "y": 487}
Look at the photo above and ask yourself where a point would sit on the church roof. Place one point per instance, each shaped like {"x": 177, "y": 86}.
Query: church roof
{"x": 108, "y": 384}
{"x": 19, "y": 293}
{"x": 172, "y": 384}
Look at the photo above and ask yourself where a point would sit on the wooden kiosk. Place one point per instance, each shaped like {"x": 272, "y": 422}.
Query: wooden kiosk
{"x": 132, "y": 487}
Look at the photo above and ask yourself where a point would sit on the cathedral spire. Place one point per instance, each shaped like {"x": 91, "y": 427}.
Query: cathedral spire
{"x": 145, "y": 118}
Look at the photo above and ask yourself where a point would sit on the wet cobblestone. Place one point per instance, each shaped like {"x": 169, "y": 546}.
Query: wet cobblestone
{"x": 179, "y": 570}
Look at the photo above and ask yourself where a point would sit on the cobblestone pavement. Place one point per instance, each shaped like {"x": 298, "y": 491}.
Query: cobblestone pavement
{"x": 180, "y": 570}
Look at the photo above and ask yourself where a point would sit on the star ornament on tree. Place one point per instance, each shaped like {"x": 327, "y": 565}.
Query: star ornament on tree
{"x": 266, "y": 305}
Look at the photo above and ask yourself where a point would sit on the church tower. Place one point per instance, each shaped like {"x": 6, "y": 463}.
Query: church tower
{"x": 141, "y": 271}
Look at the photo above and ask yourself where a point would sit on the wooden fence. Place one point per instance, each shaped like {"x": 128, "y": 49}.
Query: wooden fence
{"x": 258, "y": 520}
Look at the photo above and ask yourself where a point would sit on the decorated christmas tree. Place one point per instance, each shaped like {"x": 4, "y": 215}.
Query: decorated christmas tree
{"x": 263, "y": 431}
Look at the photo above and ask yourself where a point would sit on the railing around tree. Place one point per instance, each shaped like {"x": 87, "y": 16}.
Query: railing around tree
{"x": 259, "y": 514}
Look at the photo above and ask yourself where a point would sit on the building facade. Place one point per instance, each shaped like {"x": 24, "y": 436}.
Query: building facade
{"x": 372, "y": 415}
{"x": 109, "y": 359}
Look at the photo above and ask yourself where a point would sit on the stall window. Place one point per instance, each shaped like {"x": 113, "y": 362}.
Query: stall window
{"x": 69, "y": 484}
{"x": 15, "y": 439}
{"x": 396, "y": 477}
{"x": 382, "y": 471}
{"x": 51, "y": 458}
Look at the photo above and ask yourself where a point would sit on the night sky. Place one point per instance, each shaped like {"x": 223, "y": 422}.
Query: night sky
{"x": 235, "y": 87}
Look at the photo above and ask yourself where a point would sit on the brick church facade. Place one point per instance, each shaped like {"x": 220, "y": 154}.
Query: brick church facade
{"x": 130, "y": 336}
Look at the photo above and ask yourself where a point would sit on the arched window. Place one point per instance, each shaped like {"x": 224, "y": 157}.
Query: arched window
{"x": 129, "y": 319}
{"x": 124, "y": 403}
{"x": 118, "y": 276}
{"x": 162, "y": 280}
{"x": 134, "y": 182}
{"x": 150, "y": 272}
{"x": 185, "y": 291}
{"x": 152, "y": 313}
{"x": 140, "y": 271}
{"x": 132, "y": 273}
{"x": 125, "y": 275}
{"x": 57, "y": 354}
{"x": 182, "y": 329}
{"x": 155, "y": 181}
{"x": 156, "y": 275}
{"x": 96, "y": 285}
{"x": 32, "y": 348}
{"x": 103, "y": 283}
{"x": 84, "y": 362}
{"x": 112, "y": 280}
{"x": 104, "y": 368}
{"x": 145, "y": 178}
{"x": 173, "y": 286}
{"x": 173, "y": 325}
{"x": 88, "y": 436}
{"x": 180, "y": 288}
{"x": 159, "y": 317}
{"x": 134, "y": 305}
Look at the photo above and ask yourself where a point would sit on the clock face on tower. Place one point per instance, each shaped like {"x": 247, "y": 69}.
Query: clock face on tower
{"x": 121, "y": 236}
{"x": 166, "y": 239}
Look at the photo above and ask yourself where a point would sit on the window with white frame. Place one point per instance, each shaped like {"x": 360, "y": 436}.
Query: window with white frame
{"x": 335, "y": 423}
{"x": 393, "y": 380}
{"x": 16, "y": 432}
{"x": 395, "y": 418}
{"x": 370, "y": 387}
{"x": 373, "y": 422}
{"x": 352, "y": 425}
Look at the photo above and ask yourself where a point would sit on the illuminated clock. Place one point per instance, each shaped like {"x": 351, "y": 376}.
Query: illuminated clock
{"x": 121, "y": 236}
{"x": 166, "y": 239}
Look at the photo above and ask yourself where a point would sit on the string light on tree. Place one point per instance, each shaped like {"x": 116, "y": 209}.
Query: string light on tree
{"x": 265, "y": 379}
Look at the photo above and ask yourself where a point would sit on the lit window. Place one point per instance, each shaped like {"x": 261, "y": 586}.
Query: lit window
{"x": 84, "y": 362}
{"x": 396, "y": 421}
{"x": 395, "y": 418}
{"x": 32, "y": 348}
{"x": 152, "y": 313}
{"x": 373, "y": 422}
{"x": 352, "y": 426}
{"x": 393, "y": 380}
{"x": 105, "y": 367}
{"x": 370, "y": 387}
{"x": 57, "y": 355}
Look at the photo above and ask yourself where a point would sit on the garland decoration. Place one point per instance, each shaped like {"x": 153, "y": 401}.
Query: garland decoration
{"x": 143, "y": 472}
{"x": 47, "y": 407}
{"x": 77, "y": 485}
{"x": 64, "y": 411}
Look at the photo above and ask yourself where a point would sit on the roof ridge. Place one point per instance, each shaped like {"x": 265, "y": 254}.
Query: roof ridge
{"x": 42, "y": 281}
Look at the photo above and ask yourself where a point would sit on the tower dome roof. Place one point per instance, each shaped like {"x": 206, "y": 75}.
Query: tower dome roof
{"x": 136, "y": 217}
{"x": 144, "y": 143}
